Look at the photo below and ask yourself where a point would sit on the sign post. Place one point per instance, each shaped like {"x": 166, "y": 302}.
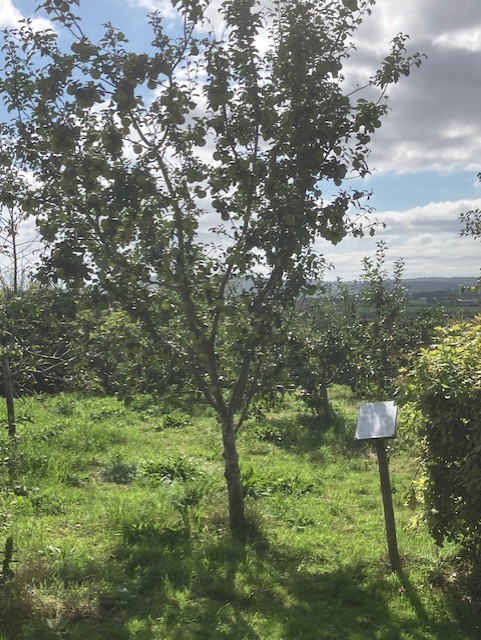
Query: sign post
{"x": 377, "y": 421}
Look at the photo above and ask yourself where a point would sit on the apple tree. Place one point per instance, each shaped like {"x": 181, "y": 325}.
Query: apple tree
{"x": 191, "y": 181}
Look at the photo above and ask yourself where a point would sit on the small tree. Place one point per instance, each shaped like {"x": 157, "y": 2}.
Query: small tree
{"x": 471, "y": 226}
{"x": 389, "y": 336}
{"x": 121, "y": 358}
{"x": 360, "y": 335}
{"x": 358, "y": 338}
{"x": 47, "y": 337}
{"x": 137, "y": 155}
{"x": 37, "y": 322}
{"x": 16, "y": 255}
{"x": 322, "y": 346}
{"x": 471, "y": 221}
{"x": 383, "y": 342}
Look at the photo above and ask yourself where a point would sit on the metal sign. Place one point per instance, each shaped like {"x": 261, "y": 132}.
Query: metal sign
{"x": 376, "y": 420}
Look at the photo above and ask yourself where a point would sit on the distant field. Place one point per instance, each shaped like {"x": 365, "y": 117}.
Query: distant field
{"x": 118, "y": 521}
{"x": 466, "y": 310}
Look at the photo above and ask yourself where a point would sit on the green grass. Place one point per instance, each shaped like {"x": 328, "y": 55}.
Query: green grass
{"x": 119, "y": 525}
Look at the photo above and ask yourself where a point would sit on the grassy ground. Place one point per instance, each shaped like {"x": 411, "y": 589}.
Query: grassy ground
{"x": 119, "y": 529}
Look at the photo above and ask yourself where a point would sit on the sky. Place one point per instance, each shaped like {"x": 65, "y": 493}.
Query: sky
{"x": 427, "y": 154}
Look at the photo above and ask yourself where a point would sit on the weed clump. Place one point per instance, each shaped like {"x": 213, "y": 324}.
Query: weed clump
{"x": 119, "y": 471}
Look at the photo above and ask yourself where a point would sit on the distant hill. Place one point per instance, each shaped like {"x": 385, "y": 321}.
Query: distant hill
{"x": 421, "y": 285}
{"x": 417, "y": 286}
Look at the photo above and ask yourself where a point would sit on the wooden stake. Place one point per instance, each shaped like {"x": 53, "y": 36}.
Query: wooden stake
{"x": 8, "y": 389}
{"x": 388, "y": 506}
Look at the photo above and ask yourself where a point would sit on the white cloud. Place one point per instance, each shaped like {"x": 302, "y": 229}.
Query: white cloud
{"x": 434, "y": 120}
{"x": 469, "y": 39}
{"x": 10, "y": 16}
{"x": 164, "y": 6}
{"x": 426, "y": 238}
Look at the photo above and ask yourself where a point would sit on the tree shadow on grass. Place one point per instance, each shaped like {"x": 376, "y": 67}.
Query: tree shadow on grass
{"x": 182, "y": 585}
{"x": 460, "y": 581}
{"x": 306, "y": 433}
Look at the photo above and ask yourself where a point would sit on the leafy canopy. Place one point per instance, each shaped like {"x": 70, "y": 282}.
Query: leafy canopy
{"x": 199, "y": 165}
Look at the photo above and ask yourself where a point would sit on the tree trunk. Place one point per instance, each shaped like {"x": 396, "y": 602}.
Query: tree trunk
{"x": 6, "y": 573}
{"x": 326, "y": 406}
{"x": 8, "y": 387}
{"x": 233, "y": 478}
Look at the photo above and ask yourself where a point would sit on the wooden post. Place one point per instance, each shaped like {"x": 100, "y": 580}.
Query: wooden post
{"x": 388, "y": 506}
{"x": 9, "y": 398}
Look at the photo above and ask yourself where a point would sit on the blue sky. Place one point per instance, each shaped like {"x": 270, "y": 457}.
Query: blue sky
{"x": 427, "y": 154}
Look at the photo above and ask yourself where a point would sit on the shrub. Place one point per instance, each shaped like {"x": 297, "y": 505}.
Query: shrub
{"x": 257, "y": 484}
{"x": 174, "y": 420}
{"x": 445, "y": 386}
{"x": 119, "y": 471}
{"x": 169, "y": 469}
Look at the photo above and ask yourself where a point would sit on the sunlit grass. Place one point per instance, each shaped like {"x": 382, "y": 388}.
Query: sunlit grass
{"x": 118, "y": 517}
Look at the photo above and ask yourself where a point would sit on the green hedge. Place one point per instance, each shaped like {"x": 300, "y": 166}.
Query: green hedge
{"x": 445, "y": 387}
